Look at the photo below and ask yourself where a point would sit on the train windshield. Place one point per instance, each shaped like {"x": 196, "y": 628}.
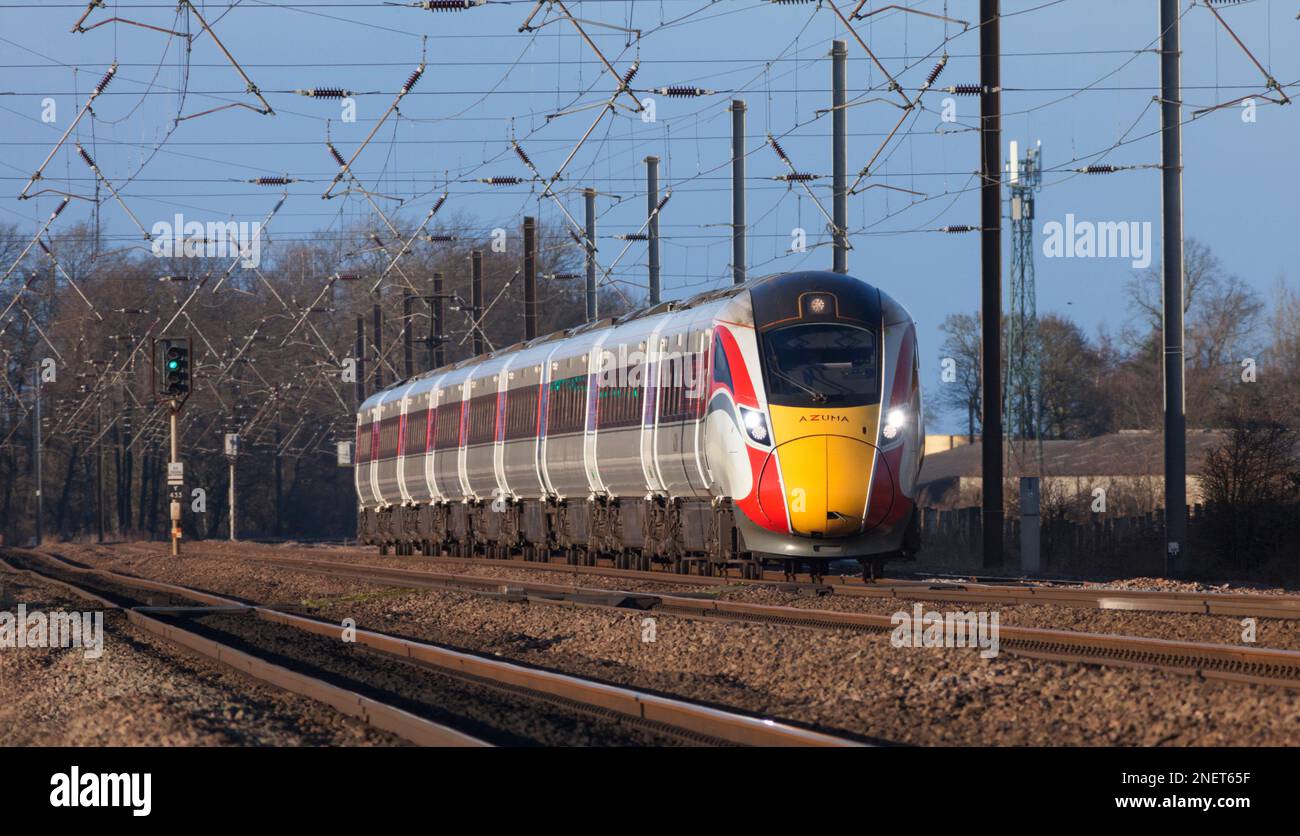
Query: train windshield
{"x": 821, "y": 364}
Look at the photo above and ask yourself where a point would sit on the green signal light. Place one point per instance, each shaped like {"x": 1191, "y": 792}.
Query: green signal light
{"x": 173, "y": 364}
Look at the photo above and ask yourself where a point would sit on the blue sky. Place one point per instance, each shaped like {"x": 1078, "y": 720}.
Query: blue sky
{"x": 1079, "y": 75}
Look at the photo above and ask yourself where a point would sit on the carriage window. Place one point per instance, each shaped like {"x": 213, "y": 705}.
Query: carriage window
{"x": 682, "y": 388}
{"x": 388, "y": 437}
{"x": 821, "y": 364}
{"x": 566, "y": 407}
{"x": 365, "y": 433}
{"x": 413, "y": 443}
{"x": 446, "y": 426}
{"x": 521, "y": 413}
{"x": 482, "y": 419}
{"x": 619, "y": 399}
{"x": 721, "y": 371}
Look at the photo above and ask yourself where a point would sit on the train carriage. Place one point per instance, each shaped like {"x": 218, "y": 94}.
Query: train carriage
{"x": 775, "y": 420}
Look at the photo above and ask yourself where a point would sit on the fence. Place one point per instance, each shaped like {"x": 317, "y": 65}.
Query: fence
{"x": 1260, "y": 543}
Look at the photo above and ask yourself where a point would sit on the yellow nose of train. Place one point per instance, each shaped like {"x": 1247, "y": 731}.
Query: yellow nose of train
{"x": 826, "y": 459}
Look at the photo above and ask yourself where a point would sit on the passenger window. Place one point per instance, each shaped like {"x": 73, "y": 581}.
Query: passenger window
{"x": 721, "y": 371}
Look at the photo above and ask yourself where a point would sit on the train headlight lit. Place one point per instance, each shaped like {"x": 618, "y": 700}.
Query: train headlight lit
{"x": 894, "y": 421}
{"x": 755, "y": 425}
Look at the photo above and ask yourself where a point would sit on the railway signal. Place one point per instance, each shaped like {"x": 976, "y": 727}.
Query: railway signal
{"x": 171, "y": 357}
{"x": 171, "y": 381}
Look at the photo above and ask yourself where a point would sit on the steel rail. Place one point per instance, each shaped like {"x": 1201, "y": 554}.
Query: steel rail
{"x": 373, "y": 712}
{"x": 679, "y": 716}
{"x": 1257, "y": 665}
{"x": 1204, "y": 603}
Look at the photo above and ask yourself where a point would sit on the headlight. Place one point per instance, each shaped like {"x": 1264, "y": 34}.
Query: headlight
{"x": 894, "y": 421}
{"x": 755, "y": 424}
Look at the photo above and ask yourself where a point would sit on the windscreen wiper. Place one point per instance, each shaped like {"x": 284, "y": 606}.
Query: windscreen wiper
{"x": 819, "y": 397}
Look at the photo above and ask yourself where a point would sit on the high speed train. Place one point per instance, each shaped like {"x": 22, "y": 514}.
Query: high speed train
{"x": 776, "y": 420}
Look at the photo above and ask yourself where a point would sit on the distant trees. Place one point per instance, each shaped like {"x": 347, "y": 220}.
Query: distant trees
{"x": 269, "y": 346}
{"x": 961, "y": 353}
{"x": 1094, "y": 385}
{"x": 1251, "y": 484}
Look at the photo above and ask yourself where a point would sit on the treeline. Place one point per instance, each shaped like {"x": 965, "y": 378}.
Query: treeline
{"x": 1242, "y": 352}
{"x": 1241, "y": 346}
{"x": 270, "y": 348}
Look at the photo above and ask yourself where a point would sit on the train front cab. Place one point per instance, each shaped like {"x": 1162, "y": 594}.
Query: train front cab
{"x": 838, "y": 368}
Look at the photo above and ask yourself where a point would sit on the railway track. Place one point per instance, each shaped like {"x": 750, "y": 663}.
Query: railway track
{"x": 217, "y": 626}
{"x": 1231, "y": 663}
{"x": 1239, "y": 605}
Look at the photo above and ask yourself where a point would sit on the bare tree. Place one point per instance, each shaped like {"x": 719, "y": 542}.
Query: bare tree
{"x": 961, "y": 346}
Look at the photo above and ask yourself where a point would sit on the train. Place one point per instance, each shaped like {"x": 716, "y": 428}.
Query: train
{"x": 775, "y": 421}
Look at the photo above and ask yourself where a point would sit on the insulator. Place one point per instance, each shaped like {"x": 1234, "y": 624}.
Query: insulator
{"x": 682, "y": 92}
{"x": 449, "y": 5}
{"x": 789, "y": 2}
{"x": 501, "y": 181}
{"x": 662, "y": 202}
{"x": 797, "y": 177}
{"x": 776, "y": 146}
{"x": 273, "y": 181}
{"x": 935, "y": 72}
{"x": 523, "y": 156}
{"x": 103, "y": 82}
{"x": 966, "y": 89}
{"x": 324, "y": 92}
{"x": 631, "y": 73}
{"x": 440, "y": 239}
{"x": 438, "y": 205}
{"x": 412, "y": 80}
{"x": 1098, "y": 169}
{"x": 90, "y": 162}
{"x": 633, "y": 236}
{"x": 45, "y": 248}
{"x": 334, "y": 152}
{"x": 956, "y": 228}
{"x": 58, "y": 210}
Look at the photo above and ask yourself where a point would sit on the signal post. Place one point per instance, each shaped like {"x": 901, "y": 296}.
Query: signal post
{"x": 171, "y": 378}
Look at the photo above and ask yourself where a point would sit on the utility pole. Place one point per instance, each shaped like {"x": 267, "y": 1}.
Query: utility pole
{"x": 377, "y": 340}
{"x": 408, "y": 338}
{"x": 840, "y": 154}
{"x": 439, "y": 349}
{"x": 737, "y": 191}
{"x": 652, "y": 203}
{"x": 234, "y": 527}
{"x": 36, "y": 459}
{"x": 99, "y": 471}
{"x": 476, "y": 298}
{"x": 530, "y": 278}
{"x": 361, "y": 360}
{"x": 1171, "y": 201}
{"x": 589, "y": 198}
{"x": 991, "y": 277}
